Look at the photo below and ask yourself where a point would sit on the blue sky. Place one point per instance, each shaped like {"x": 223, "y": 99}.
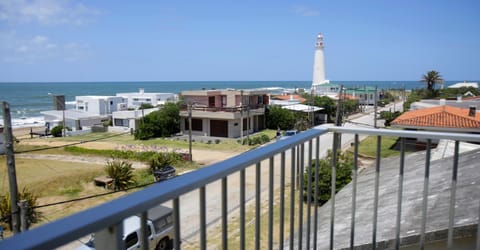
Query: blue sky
{"x": 62, "y": 40}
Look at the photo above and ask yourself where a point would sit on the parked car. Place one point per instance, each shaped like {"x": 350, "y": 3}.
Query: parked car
{"x": 289, "y": 133}
{"x": 159, "y": 229}
{"x": 164, "y": 173}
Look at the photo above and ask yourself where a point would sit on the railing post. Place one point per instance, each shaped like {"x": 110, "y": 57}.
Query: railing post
{"x": 110, "y": 238}
{"x": 332, "y": 190}
{"x": 354, "y": 192}
{"x": 453, "y": 189}
{"x": 292, "y": 197}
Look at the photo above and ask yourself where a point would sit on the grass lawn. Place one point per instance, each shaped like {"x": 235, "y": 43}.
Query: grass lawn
{"x": 48, "y": 177}
{"x": 368, "y": 147}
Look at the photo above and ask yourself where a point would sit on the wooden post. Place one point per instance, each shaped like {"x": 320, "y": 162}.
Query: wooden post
{"x": 23, "y": 204}
{"x": 12, "y": 177}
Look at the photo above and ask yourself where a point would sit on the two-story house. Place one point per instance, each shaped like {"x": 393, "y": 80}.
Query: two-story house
{"x": 224, "y": 112}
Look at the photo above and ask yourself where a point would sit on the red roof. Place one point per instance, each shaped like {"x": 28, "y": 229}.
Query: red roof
{"x": 440, "y": 116}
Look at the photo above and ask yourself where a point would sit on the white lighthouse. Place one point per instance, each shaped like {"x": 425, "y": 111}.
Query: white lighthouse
{"x": 319, "y": 64}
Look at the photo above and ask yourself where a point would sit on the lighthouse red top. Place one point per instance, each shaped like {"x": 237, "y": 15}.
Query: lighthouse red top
{"x": 319, "y": 43}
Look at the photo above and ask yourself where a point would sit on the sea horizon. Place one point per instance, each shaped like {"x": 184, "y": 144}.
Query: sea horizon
{"x": 28, "y": 99}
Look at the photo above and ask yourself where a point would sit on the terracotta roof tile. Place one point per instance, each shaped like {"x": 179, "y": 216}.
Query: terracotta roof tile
{"x": 440, "y": 116}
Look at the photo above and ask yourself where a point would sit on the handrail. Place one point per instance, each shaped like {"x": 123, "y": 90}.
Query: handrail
{"x": 94, "y": 219}
{"x": 68, "y": 229}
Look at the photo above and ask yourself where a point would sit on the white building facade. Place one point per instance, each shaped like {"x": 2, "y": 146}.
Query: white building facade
{"x": 100, "y": 105}
{"x": 136, "y": 99}
{"x": 319, "y": 65}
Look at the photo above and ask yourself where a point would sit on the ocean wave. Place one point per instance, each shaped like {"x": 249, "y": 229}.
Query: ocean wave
{"x": 23, "y": 122}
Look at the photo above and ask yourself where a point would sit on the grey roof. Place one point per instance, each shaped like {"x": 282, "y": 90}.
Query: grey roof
{"x": 466, "y": 208}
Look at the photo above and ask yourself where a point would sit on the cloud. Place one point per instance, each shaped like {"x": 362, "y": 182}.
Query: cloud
{"x": 40, "y": 49}
{"x": 46, "y": 12}
{"x": 305, "y": 11}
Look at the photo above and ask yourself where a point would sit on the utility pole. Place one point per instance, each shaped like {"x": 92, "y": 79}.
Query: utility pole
{"x": 337, "y": 137}
{"x": 12, "y": 176}
{"x": 375, "y": 109}
{"x": 190, "y": 131}
{"x": 241, "y": 116}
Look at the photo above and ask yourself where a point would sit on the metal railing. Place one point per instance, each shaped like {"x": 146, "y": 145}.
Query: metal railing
{"x": 298, "y": 157}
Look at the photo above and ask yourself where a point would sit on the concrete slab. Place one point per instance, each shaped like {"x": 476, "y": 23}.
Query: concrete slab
{"x": 466, "y": 205}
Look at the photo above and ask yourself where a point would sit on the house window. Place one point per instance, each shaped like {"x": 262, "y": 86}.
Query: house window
{"x": 211, "y": 101}
{"x": 131, "y": 240}
{"x": 260, "y": 99}
{"x": 197, "y": 124}
{"x": 135, "y": 99}
{"x": 121, "y": 122}
{"x": 224, "y": 101}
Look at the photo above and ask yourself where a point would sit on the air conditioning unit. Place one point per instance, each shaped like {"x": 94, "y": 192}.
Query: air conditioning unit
{"x": 122, "y": 106}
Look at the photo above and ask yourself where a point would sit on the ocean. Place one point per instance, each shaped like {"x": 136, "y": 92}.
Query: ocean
{"x": 28, "y": 99}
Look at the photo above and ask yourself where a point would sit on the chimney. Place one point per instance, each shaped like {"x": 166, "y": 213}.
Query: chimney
{"x": 459, "y": 98}
{"x": 472, "y": 111}
{"x": 141, "y": 91}
{"x": 442, "y": 102}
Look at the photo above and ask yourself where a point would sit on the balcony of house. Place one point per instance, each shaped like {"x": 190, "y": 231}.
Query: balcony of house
{"x": 227, "y": 113}
{"x": 268, "y": 198}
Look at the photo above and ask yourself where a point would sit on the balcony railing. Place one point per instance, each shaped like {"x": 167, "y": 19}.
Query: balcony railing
{"x": 260, "y": 182}
{"x": 221, "y": 109}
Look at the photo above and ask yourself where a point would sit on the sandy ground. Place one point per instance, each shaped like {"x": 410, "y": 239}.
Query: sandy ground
{"x": 202, "y": 157}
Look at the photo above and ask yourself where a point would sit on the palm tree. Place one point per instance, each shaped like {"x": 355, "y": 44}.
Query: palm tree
{"x": 121, "y": 172}
{"x": 431, "y": 78}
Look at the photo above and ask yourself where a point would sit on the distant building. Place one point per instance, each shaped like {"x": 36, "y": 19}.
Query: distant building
{"x": 464, "y": 84}
{"x": 74, "y": 119}
{"x": 366, "y": 95}
{"x": 136, "y": 99}
{"x": 460, "y": 102}
{"x": 100, "y": 105}
{"x": 225, "y": 112}
{"x": 130, "y": 118}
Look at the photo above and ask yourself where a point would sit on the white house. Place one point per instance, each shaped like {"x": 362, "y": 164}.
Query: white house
{"x": 74, "y": 119}
{"x": 100, "y": 105}
{"x": 136, "y": 99}
{"x": 130, "y": 118}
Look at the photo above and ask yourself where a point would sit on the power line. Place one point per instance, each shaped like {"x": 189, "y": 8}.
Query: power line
{"x": 71, "y": 144}
{"x": 91, "y": 196}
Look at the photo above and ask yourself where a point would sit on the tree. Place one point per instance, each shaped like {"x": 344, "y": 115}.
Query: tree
{"x": 161, "y": 123}
{"x": 278, "y": 117}
{"x": 328, "y": 104}
{"x": 121, "y": 172}
{"x": 146, "y": 106}
{"x": 343, "y": 174}
{"x": 431, "y": 78}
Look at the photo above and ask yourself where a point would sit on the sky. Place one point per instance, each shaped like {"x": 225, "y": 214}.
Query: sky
{"x": 64, "y": 40}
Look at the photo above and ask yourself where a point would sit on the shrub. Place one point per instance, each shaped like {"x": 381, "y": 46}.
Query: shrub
{"x": 343, "y": 174}
{"x": 217, "y": 141}
{"x": 121, "y": 172}
{"x": 33, "y": 216}
{"x": 57, "y": 131}
{"x": 160, "y": 160}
